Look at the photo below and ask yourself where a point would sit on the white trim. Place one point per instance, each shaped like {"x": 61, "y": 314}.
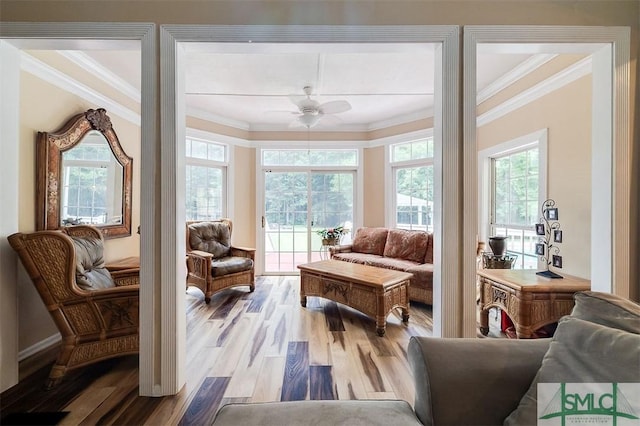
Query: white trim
{"x": 214, "y": 118}
{"x": 400, "y": 120}
{"x": 539, "y": 138}
{"x": 551, "y": 84}
{"x": 447, "y": 166}
{"x": 217, "y": 137}
{"x": 618, "y": 142}
{"x": 96, "y": 69}
{"x": 9, "y": 196}
{"x": 513, "y": 75}
{"x": 304, "y": 144}
{"x": 56, "y": 34}
{"x": 53, "y": 76}
{"x": 405, "y": 137}
{"x": 39, "y": 346}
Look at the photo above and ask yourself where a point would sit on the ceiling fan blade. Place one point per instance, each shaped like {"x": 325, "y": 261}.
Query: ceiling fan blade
{"x": 335, "y": 107}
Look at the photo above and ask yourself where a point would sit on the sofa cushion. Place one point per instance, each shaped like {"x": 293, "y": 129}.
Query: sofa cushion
{"x": 395, "y": 264}
{"x": 405, "y": 244}
{"x": 212, "y": 237}
{"x": 607, "y": 309}
{"x": 230, "y": 265}
{"x": 428, "y": 256}
{"x": 91, "y": 273}
{"x": 370, "y": 240}
{"x": 582, "y": 352}
{"x": 361, "y": 258}
{"x": 422, "y": 276}
{"x": 329, "y": 413}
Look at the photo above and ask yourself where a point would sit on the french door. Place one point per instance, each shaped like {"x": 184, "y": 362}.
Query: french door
{"x": 296, "y": 205}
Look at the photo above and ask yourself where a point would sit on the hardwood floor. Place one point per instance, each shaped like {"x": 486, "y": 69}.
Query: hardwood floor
{"x": 242, "y": 347}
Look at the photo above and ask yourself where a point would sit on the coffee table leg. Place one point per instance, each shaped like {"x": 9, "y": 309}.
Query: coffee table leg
{"x": 303, "y": 301}
{"x": 381, "y": 326}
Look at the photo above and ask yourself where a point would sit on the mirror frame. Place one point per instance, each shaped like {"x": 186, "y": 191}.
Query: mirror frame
{"x": 49, "y": 149}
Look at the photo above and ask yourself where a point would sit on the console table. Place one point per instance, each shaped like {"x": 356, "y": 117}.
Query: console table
{"x": 531, "y": 301}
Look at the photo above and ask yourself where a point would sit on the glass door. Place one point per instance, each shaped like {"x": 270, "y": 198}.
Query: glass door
{"x": 297, "y": 205}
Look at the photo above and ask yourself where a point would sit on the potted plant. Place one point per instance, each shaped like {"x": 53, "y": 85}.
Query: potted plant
{"x": 331, "y": 236}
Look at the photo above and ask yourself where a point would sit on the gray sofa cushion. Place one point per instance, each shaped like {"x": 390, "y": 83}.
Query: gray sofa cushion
{"x": 318, "y": 413}
{"x": 607, "y": 309}
{"x": 91, "y": 273}
{"x": 582, "y": 352}
{"x": 212, "y": 237}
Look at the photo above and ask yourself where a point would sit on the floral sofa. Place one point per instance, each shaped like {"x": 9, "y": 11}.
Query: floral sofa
{"x": 398, "y": 249}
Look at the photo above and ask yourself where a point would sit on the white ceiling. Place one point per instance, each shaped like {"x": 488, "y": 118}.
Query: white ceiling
{"x": 250, "y": 85}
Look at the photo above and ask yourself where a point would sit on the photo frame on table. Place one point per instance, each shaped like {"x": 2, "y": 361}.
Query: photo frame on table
{"x": 557, "y": 261}
{"x": 539, "y": 228}
{"x": 540, "y": 249}
{"x": 552, "y": 213}
{"x": 557, "y": 236}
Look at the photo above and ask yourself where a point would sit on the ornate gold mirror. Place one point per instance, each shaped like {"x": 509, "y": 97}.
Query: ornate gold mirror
{"x": 83, "y": 176}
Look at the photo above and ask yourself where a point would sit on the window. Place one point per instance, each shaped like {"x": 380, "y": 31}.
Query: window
{"x": 206, "y": 178}
{"x": 91, "y": 179}
{"x": 515, "y": 202}
{"x": 310, "y": 157}
{"x": 412, "y": 176}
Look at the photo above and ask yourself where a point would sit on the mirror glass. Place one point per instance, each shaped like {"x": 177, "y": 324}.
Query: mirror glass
{"x": 91, "y": 182}
{"x": 84, "y": 176}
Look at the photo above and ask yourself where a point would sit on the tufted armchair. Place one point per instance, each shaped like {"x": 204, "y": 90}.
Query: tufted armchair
{"x": 95, "y": 310}
{"x": 213, "y": 264}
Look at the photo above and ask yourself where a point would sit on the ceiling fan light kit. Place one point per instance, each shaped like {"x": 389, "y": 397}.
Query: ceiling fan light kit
{"x": 312, "y": 111}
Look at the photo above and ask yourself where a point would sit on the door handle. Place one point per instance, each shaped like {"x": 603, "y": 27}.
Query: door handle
{"x": 263, "y": 221}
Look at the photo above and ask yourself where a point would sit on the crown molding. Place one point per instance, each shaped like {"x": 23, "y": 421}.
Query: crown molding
{"x": 95, "y": 68}
{"x": 217, "y": 119}
{"x": 555, "y": 82}
{"x": 49, "y": 74}
{"x": 514, "y": 75}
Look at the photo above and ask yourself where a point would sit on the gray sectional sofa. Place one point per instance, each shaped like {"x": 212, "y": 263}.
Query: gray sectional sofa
{"x": 486, "y": 381}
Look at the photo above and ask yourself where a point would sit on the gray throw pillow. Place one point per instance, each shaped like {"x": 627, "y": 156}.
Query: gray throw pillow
{"x": 582, "y": 352}
{"x": 91, "y": 273}
{"x": 607, "y": 309}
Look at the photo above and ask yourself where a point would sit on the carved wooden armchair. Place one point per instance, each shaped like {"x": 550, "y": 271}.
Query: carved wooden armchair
{"x": 212, "y": 263}
{"x": 95, "y": 310}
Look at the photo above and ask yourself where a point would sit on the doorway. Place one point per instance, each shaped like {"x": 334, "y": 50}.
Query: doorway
{"x": 298, "y": 204}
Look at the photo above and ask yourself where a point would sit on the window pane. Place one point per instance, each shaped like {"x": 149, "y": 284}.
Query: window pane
{"x": 515, "y": 203}
{"x": 204, "y": 192}
{"x": 315, "y": 157}
{"x": 414, "y": 197}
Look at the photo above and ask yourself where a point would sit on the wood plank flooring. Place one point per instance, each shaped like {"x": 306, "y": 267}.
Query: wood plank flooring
{"x": 242, "y": 347}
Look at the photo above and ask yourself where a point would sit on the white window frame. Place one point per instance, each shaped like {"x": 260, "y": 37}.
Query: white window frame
{"x": 539, "y": 138}
{"x": 225, "y": 166}
{"x": 391, "y": 167}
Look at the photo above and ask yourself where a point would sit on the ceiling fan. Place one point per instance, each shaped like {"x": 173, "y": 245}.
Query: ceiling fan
{"x": 310, "y": 111}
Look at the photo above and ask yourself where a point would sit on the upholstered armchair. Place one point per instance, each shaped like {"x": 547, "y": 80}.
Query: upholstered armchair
{"x": 213, "y": 264}
{"x": 95, "y": 310}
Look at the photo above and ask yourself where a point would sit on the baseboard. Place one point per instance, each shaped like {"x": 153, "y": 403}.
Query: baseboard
{"x": 40, "y": 346}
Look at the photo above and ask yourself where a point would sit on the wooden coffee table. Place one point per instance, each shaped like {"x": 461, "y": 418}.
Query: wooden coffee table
{"x": 530, "y": 300}
{"x": 373, "y": 291}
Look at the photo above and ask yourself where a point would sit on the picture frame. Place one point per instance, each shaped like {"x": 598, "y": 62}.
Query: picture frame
{"x": 557, "y": 236}
{"x": 539, "y": 228}
{"x": 552, "y": 213}
{"x": 557, "y": 261}
{"x": 540, "y": 249}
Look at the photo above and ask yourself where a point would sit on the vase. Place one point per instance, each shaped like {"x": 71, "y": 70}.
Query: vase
{"x": 329, "y": 241}
{"x": 498, "y": 245}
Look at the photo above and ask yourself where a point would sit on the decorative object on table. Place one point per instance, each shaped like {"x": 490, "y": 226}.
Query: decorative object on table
{"x": 492, "y": 261}
{"x": 498, "y": 245}
{"x": 550, "y": 235}
{"x": 331, "y": 236}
